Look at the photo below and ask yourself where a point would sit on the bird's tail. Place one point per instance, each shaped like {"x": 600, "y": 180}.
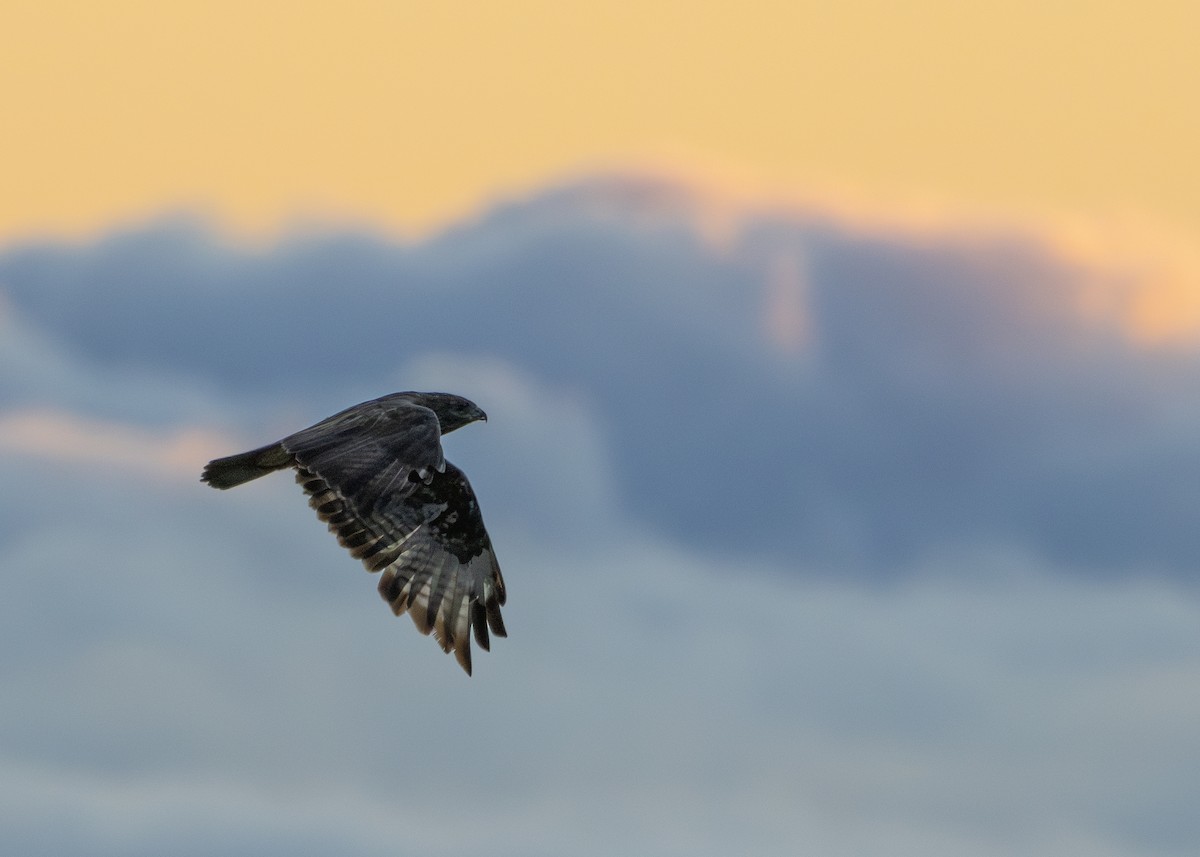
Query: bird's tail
{"x": 236, "y": 469}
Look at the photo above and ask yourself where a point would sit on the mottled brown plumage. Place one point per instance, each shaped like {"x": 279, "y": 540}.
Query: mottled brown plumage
{"x": 376, "y": 475}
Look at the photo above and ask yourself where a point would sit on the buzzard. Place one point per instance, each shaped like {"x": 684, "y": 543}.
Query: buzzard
{"x": 376, "y": 475}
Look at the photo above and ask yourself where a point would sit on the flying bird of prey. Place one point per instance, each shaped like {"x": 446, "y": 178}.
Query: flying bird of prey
{"x": 376, "y": 475}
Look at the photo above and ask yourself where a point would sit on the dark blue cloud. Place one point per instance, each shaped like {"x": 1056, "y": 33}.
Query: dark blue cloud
{"x": 946, "y": 393}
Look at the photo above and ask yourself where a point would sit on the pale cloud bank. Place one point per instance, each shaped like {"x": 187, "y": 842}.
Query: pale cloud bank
{"x": 223, "y": 677}
{"x": 70, "y": 439}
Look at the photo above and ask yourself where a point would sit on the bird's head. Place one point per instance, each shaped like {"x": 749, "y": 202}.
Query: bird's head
{"x": 453, "y": 412}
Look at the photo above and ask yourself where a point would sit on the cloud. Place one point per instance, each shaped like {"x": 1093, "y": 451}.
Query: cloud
{"x": 856, "y": 397}
{"x": 186, "y": 670}
{"x": 67, "y": 438}
{"x": 189, "y": 671}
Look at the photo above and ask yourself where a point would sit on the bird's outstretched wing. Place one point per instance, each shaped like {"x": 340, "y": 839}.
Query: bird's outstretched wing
{"x": 430, "y": 544}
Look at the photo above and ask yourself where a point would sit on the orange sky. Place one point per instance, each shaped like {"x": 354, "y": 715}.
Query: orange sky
{"x": 410, "y": 114}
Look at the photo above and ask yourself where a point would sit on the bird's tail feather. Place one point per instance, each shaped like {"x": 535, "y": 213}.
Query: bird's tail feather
{"x": 236, "y": 469}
